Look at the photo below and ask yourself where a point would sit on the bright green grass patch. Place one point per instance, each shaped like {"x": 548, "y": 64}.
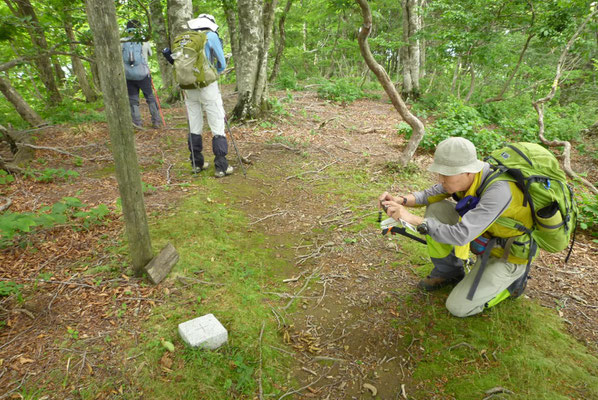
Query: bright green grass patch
{"x": 518, "y": 345}
{"x": 211, "y": 236}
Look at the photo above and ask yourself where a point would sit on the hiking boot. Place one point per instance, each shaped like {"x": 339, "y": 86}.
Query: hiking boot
{"x": 430, "y": 284}
{"x": 137, "y": 127}
{"x": 156, "y": 125}
{"x": 220, "y": 174}
{"x": 197, "y": 170}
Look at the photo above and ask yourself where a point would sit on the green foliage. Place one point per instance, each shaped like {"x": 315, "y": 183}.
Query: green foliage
{"x": 588, "y": 213}
{"x": 74, "y": 112}
{"x": 458, "y": 119}
{"x": 286, "y": 81}
{"x": 343, "y": 90}
{"x": 5, "y": 177}
{"x": 50, "y": 174}
{"x": 14, "y": 226}
{"x": 8, "y": 288}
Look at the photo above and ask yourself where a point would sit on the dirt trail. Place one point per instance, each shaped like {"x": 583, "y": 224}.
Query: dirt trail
{"x": 343, "y": 326}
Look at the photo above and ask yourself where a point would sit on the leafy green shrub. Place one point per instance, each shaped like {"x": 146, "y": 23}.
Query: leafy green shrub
{"x": 8, "y": 287}
{"x": 342, "y": 90}
{"x": 50, "y": 174}
{"x": 588, "y": 213}
{"x": 462, "y": 120}
{"x": 403, "y": 128}
{"x": 286, "y": 81}
{"x": 15, "y": 225}
{"x": 5, "y": 177}
{"x": 74, "y": 112}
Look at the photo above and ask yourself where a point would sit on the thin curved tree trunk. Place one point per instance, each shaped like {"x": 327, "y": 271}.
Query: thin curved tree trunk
{"x": 24, "y": 109}
{"x": 471, "y": 83}
{"x": 281, "y": 42}
{"x": 539, "y": 107}
{"x": 78, "y": 68}
{"x": 395, "y": 97}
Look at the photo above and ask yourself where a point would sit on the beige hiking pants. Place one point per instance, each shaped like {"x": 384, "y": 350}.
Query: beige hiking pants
{"x": 497, "y": 276}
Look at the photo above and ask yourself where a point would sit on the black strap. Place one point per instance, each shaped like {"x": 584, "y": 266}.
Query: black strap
{"x": 403, "y": 231}
{"x": 478, "y": 275}
{"x": 572, "y": 243}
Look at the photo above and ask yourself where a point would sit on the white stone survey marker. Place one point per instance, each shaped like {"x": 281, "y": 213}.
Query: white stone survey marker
{"x": 205, "y": 331}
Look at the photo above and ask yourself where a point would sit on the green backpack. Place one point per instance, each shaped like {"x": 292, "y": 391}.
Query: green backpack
{"x": 192, "y": 69}
{"x": 537, "y": 173}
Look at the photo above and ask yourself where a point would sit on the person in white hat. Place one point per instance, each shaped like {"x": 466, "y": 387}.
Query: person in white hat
{"x": 453, "y": 228}
{"x": 207, "y": 98}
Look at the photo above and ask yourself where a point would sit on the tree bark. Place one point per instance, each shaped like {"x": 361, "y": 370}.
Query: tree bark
{"x": 255, "y": 27}
{"x": 102, "y": 20}
{"x": 229, "y": 7}
{"x": 24, "y": 110}
{"x": 411, "y": 55}
{"x": 281, "y": 42}
{"x": 539, "y": 107}
{"x": 78, "y": 68}
{"x": 25, "y": 10}
{"x": 179, "y": 12}
{"x": 471, "y": 83}
{"x": 162, "y": 40}
{"x": 395, "y": 97}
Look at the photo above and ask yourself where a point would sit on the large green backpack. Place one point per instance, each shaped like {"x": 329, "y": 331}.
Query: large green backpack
{"x": 537, "y": 173}
{"x": 192, "y": 69}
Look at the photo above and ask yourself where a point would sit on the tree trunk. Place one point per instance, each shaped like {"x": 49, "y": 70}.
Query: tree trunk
{"x": 179, "y": 12}
{"x": 261, "y": 86}
{"x": 229, "y": 7}
{"x": 395, "y": 97}
{"x": 411, "y": 59}
{"x": 78, "y": 68}
{"x": 25, "y": 10}
{"x": 255, "y": 27}
{"x": 24, "y": 110}
{"x": 102, "y": 20}
{"x": 160, "y": 36}
{"x": 281, "y": 42}
{"x": 471, "y": 83}
{"x": 539, "y": 107}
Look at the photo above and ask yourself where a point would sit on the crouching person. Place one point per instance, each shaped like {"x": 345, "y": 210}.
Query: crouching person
{"x": 486, "y": 216}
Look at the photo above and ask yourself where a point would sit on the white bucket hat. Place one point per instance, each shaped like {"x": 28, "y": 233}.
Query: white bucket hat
{"x": 203, "y": 21}
{"x": 454, "y": 156}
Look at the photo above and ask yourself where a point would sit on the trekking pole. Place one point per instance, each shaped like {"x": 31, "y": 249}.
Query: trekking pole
{"x": 235, "y": 146}
{"x": 158, "y": 101}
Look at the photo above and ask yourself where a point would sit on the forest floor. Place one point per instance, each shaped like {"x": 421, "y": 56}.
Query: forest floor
{"x": 339, "y": 315}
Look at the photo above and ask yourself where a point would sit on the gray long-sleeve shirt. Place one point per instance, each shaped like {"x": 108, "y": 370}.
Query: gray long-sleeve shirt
{"x": 493, "y": 203}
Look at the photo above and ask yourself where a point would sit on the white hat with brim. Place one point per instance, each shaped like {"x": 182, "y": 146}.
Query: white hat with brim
{"x": 202, "y": 22}
{"x": 454, "y": 156}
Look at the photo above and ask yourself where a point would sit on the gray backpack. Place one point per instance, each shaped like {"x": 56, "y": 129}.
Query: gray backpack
{"x": 136, "y": 67}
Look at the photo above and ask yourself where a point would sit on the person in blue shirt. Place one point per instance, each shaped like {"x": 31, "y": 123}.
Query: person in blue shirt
{"x": 209, "y": 99}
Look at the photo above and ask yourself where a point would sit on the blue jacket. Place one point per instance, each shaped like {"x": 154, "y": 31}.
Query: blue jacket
{"x": 214, "y": 51}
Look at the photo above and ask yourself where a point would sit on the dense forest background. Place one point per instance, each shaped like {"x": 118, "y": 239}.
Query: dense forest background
{"x": 468, "y": 68}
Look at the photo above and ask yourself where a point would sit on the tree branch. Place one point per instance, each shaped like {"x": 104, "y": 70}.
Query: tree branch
{"x": 384, "y": 79}
{"x": 539, "y": 107}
